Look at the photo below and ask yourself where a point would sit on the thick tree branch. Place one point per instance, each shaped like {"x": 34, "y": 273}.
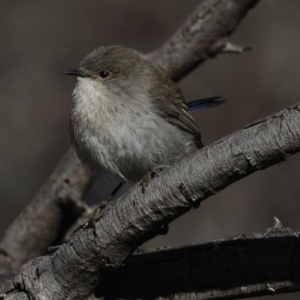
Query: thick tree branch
{"x": 202, "y": 36}
{"x": 74, "y": 269}
{"x": 244, "y": 266}
{"x": 54, "y": 204}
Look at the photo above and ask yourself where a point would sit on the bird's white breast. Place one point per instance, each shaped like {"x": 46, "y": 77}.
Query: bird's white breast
{"x": 123, "y": 134}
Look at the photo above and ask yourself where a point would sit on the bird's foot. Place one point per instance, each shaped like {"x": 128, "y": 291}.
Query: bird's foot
{"x": 148, "y": 177}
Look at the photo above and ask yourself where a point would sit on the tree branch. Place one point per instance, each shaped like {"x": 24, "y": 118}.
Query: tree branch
{"x": 197, "y": 40}
{"x": 248, "y": 265}
{"x": 74, "y": 270}
{"x": 56, "y": 202}
{"x": 204, "y": 35}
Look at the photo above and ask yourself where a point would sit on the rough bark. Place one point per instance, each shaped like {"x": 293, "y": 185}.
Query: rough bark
{"x": 202, "y": 36}
{"x": 76, "y": 268}
{"x": 244, "y": 266}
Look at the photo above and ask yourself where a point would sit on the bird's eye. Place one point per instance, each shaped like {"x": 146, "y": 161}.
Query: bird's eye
{"x": 104, "y": 74}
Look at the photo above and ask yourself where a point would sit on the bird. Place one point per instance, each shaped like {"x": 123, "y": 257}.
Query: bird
{"x": 128, "y": 118}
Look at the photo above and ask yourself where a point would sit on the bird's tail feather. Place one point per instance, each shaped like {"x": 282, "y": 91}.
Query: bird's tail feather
{"x": 205, "y": 103}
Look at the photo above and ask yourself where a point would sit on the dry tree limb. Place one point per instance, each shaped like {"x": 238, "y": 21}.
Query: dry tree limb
{"x": 76, "y": 268}
{"x": 40, "y": 224}
{"x": 202, "y": 36}
{"x": 244, "y": 266}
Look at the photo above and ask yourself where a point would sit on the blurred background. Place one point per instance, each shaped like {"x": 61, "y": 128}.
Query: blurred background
{"x": 42, "y": 39}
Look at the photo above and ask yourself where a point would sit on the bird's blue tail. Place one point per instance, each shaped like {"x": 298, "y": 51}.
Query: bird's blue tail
{"x": 204, "y": 103}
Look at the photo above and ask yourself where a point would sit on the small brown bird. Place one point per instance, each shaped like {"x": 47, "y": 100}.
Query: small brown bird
{"x": 128, "y": 118}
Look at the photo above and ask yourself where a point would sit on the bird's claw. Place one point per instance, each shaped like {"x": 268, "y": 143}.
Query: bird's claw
{"x": 148, "y": 177}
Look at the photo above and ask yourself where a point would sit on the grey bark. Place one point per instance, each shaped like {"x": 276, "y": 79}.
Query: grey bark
{"x": 76, "y": 268}
{"x": 203, "y": 35}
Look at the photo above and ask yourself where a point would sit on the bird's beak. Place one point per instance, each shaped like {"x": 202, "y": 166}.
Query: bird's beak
{"x": 77, "y": 73}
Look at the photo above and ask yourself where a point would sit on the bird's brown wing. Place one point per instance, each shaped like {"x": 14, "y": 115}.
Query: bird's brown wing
{"x": 171, "y": 104}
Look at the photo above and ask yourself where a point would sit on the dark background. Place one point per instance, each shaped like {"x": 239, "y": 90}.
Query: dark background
{"x": 41, "y": 39}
